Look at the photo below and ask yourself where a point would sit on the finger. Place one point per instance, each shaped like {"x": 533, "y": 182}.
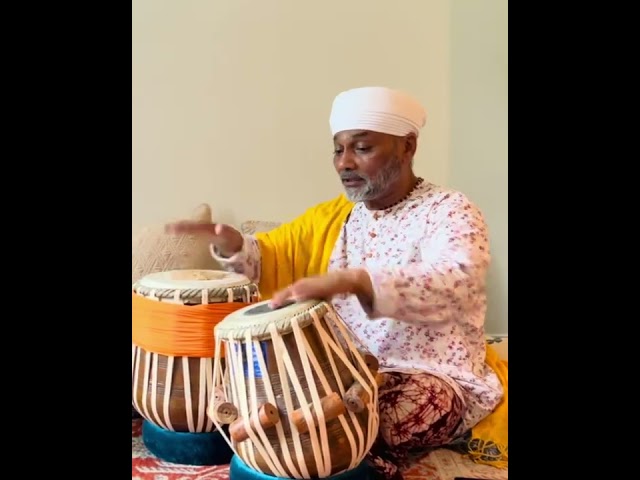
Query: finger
{"x": 190, "y": 227}
{"x": 221, "y": 235}
{"x": 300, "y": 293}
{"x": 281, "y": 298}
{"x": 171, "y": 228}
{"x": 221, "y": 229}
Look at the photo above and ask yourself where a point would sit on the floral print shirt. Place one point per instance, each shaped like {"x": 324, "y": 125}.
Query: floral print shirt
{"x": 427, "y": 258}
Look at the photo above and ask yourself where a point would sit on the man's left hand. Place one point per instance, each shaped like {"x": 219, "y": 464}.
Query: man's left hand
{"x": 324, "y": 287}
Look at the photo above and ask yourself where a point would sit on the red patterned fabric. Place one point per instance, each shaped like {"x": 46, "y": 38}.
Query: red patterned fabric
{"x": 417, "y": 411}
{"x": 445, "y": 464}
{"x": 144, "y": 466}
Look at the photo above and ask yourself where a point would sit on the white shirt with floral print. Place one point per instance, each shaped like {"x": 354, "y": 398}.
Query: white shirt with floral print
{"x": 427, "y": 258}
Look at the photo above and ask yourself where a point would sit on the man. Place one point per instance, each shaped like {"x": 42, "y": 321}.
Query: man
{"x": 404, "y": 263}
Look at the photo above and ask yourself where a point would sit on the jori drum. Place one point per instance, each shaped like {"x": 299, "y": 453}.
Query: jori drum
{"x": 174, "y": 314}
{"x": 300, "y": 399}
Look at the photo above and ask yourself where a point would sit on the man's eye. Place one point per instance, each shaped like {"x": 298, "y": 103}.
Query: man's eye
{"x": 337, "y": 152}
{"x": 362, "y": 149}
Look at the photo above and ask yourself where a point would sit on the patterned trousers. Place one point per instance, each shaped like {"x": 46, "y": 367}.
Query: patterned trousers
{"x": 417, "y": 411}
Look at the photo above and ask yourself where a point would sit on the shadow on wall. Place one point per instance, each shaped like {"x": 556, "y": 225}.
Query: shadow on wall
{"x": 497, "y": 298}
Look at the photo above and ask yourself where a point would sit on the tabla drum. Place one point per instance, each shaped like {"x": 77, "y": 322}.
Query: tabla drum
{"x": 173, "y": 318}
{"x": 299, "y": 397}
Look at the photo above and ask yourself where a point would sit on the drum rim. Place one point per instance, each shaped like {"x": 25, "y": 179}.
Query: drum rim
{"x": 236, "y": 325}
{"x": 151, "y": 285}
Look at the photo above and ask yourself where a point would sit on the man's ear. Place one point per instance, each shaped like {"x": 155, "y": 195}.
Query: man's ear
{"x": 410, "y": 144}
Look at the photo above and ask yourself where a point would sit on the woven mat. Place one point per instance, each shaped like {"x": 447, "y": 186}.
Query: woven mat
{"x": 439, "y": 465}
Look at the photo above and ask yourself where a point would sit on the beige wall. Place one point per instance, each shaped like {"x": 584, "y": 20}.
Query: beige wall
{"x": 478, "y": 162}
{"x": 231, "y": 99}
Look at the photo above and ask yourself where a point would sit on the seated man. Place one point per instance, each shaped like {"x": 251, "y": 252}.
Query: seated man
{"x": 403, "y": 261}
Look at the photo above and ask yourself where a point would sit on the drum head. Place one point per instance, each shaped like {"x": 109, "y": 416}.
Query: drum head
{"x": 258, "y": 318}
{"x": 186, "y": 279}
{"x": 188, "y": 285}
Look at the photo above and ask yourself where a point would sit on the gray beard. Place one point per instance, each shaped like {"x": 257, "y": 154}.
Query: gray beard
{"x": 375, "y": 186}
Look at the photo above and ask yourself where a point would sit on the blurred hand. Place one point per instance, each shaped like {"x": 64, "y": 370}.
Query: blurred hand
{"x": 227, "y": 240}
{"x": 324, "y": 287}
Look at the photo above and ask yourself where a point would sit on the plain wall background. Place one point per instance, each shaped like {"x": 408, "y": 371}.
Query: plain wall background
{"x": 231, "y": 102}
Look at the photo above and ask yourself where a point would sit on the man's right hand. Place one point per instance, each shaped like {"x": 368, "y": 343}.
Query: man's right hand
{"x": 227, "y": 240}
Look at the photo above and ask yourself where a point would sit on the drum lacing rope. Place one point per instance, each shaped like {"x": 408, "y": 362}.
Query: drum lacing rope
{"x": 286, "y": 371}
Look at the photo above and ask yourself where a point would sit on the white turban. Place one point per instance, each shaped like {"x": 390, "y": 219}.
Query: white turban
{"x": 378, "y": 109}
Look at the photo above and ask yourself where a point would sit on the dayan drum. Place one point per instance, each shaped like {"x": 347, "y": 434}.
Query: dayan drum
{"x": 173, "y": 319}
{"x": 300, "y": 399}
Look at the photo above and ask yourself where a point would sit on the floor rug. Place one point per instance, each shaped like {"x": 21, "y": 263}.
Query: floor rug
{"x": 439, "y": 465}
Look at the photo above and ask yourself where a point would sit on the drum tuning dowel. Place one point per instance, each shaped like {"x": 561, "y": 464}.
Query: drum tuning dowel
{"x": 224, "y": 413}
{"x": 356, "y": 397}
{"x": 219, "y": 395}
{"x": 268, "y": 416}
{"x": 371, "y": 361}
{"x": 332, "y": 407}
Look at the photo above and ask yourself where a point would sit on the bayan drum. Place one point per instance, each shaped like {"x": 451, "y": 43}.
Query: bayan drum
{"x": 173, "y": 318}
{"x": 299, "y": 398}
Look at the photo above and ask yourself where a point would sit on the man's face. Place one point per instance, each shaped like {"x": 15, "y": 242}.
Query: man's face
{"x": 369, "y": 163}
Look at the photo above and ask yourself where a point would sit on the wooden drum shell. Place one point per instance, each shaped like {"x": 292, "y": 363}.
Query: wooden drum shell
{"x": 177, "y": 390}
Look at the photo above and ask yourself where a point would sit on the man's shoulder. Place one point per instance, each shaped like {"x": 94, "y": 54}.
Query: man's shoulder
{"x": 325, "y": 212}
{"x": 330, "y": 207}
{"x": 438, "y": 195}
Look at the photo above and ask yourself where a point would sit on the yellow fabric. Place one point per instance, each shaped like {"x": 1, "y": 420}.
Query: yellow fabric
{"x": 303, "y": 247}
{"x": 489, "y": 442}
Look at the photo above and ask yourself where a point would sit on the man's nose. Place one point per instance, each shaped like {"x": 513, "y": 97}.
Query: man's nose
{"x": 345, "y": 161}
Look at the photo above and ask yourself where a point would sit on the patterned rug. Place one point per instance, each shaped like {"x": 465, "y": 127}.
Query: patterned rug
{"x": 439, "y": 465}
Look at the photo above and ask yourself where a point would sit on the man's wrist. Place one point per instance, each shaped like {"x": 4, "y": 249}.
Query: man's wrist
{"x": 360, "y": 283}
